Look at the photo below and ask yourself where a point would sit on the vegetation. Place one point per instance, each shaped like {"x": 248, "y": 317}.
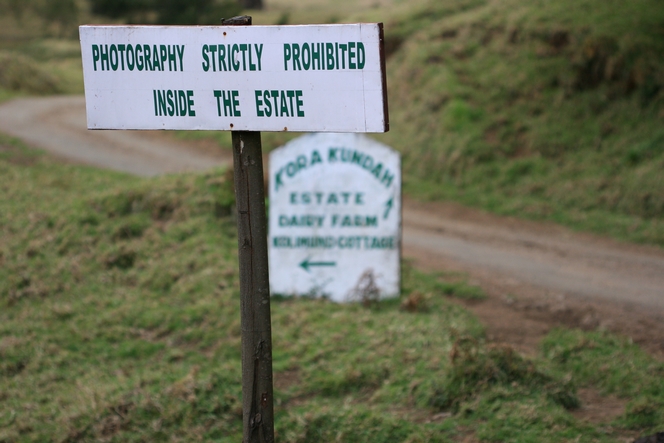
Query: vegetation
{"x": 119, "y": 321}
{"x": 56, "y": 17}
{"x": 537, "y": 109}
{"x": 40, "y": 67}
{"x": 21, "y": 73}
{"x": 167, "y": 12}
{"x": 528, "y": 108}
{"x": 540, "y": 110}
{"x": 616, "y": 366}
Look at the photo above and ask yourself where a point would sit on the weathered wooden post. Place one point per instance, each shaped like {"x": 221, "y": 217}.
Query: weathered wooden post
{"x": 257, "y": 401}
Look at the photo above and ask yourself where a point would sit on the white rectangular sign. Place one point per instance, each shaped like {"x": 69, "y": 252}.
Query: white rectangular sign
{"x": 327, "y": 78}
{"x": 335, "y": 218}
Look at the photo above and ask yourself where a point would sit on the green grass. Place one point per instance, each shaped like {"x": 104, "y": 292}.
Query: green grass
{"x": 548, "y": 111}
{"x": 541, "y": 110}
{"x": 40, "y": 67}
{"x": 616, "y": 366}
{"x": 536, "y": 109}
{"x": 119, "y": 322}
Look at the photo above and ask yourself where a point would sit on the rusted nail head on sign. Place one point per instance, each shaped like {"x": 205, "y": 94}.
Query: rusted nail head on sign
{"x": 231, "y": 125}
{"x": 285, "y": 129}
{"x": 224, "y": 33}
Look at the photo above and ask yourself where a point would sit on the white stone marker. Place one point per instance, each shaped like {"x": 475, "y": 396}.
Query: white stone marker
{"x": 335, "y": 218}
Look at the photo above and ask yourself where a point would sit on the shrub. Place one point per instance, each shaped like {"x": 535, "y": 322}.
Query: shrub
{"x": 21, "y": 73}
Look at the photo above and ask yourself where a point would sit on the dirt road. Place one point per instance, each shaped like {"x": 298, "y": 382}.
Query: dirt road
{"x": 58, "y": 125}
{"x": 537, "y": 275}
{"x": 541, "y": 275}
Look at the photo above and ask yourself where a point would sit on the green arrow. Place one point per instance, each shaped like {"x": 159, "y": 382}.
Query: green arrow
{"x": 388, "y": 207}
{"x": 306, "y": 264}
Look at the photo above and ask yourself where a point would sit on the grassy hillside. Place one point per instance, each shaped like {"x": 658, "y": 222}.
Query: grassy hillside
{"x": 540, "y": 109}
{"x": 119, "y": 322}
{"x": 40, "y": 67}
{"x": 549, "y": 110}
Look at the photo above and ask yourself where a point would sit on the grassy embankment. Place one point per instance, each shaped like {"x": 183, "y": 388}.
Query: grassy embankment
{"x": 544, "y": 110}
{"x": 39, "y": 54}
{"x": 119, "y": 321}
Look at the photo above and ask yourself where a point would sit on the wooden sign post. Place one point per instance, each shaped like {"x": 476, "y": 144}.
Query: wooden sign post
{"x": 257, "y": 401}
{"x": 255, "y": 321}
{"x": 240, "y": 78}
